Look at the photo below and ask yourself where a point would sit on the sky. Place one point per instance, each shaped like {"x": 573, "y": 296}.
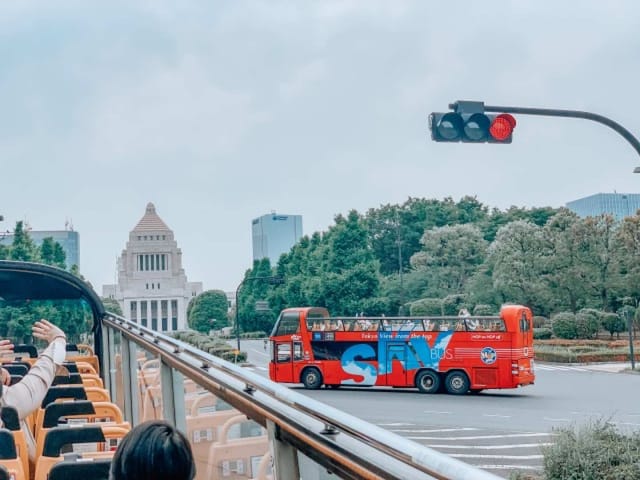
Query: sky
{"x": 220, "y": 112}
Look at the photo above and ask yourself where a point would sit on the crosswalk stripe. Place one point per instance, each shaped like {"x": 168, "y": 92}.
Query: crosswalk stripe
{"x": 493, "y": 447}
{"x": 484, "y": 437}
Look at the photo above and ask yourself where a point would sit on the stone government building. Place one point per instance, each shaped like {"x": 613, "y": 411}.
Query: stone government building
{"x": 152, "y": 286}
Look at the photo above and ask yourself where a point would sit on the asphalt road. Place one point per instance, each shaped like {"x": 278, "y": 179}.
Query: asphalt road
{"x": 498, "y": 430}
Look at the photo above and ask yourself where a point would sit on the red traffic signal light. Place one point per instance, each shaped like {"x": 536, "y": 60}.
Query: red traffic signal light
{"x": 471, "y": 127}
{"x": 502, "y": 127}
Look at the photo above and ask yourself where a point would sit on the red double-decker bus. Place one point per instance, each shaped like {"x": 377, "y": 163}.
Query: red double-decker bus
{"x": 455, "y": 354}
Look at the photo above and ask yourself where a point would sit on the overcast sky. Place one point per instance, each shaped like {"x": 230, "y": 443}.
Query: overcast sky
{"x": 220, "y": 112}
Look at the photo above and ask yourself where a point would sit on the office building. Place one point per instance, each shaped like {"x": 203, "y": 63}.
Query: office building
{"x": 275, "y": 234}
{"x": 152, "y": 286}
{"x": 69, "y": 240}
{"x": 619, "y": 205}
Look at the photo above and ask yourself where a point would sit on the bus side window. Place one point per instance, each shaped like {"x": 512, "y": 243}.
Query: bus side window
{"x": 524, "y": 323}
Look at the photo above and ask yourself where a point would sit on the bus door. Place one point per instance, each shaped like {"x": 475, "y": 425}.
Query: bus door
{"x": 285, "y": 355}
{"x": 396, "y": 360}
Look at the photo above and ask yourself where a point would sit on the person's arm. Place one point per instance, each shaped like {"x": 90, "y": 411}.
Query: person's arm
{"x": 27, "y": 395}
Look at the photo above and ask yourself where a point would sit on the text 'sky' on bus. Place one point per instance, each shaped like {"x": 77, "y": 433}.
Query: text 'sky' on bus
{"x": 456, "y": 354}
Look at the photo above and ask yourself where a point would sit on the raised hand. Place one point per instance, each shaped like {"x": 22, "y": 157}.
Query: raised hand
{"x": 5, "y": 377}
{"x": 45, "y": 330}
{"x": 6, "y": 347}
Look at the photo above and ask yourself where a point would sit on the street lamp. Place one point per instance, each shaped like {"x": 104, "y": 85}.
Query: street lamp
{"x": 272, "y": 279}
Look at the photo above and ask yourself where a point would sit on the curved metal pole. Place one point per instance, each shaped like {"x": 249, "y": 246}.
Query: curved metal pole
{"x": 553, "y": 112}
{"x": 259, "y": 277}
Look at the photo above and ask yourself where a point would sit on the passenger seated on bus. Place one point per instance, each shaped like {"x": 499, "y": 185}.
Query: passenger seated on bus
{"x": 27, "y": 395}
{"x": 153, "y": 450}
{"x": 428, "y": 325}
{"x": 444, "y": 327}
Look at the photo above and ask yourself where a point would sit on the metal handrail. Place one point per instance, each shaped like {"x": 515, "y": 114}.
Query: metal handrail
{"x": 304, "y": 419}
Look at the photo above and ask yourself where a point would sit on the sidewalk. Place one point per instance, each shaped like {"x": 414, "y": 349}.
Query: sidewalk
{"x": 613, "y": 367}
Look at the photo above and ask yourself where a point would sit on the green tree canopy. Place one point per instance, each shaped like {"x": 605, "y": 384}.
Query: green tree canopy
{"x": 208, "y": 310}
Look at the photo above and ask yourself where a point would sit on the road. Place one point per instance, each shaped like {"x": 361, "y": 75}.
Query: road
{"x": 498, "y": 430}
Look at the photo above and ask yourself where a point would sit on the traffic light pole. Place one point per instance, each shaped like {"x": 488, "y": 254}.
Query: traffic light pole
{"x": 553, "y": 112}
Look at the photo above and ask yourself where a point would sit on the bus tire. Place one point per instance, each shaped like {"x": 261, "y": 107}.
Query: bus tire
{"x": 456, "y": 382}
{"x": 428, "y": 381}
{"x": 311, "y": 378}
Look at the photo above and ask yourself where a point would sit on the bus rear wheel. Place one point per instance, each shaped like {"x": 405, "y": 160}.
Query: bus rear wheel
{"x": 428, "y": 381}
{"x": 312, "y": 378}
{"x": 457, "y": 383}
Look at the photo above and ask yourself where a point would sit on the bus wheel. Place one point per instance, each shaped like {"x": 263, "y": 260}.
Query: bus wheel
{"x": 312, "y": 378}
{"x": 428, "y": 381}
{"x": 457, "y": 383}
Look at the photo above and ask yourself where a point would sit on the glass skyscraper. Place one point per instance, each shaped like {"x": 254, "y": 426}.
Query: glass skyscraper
{"x": 619, "y": 205}
{"x": 69, "y": 240}
{"x": 275, "y": 234}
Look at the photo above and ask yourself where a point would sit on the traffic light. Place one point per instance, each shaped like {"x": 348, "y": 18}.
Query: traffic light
{"x": 469, "y": 123}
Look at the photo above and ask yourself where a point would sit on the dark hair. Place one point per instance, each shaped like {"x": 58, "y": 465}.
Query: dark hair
{"x": 155, "y": 451}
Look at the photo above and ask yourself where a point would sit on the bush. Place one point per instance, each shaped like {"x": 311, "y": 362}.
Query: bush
{"x": 540, "y": 322}
{"x": 596, "y": 450}
{"x": 484, "y": 310}
{"x": 564, "y": 325}
{"x": 426, "y": 307}
{"x": 542, "y": 333}
{"x": 587, "y": 323}
{"x": 452, "y": 304}
{"x": 613, "y": 323}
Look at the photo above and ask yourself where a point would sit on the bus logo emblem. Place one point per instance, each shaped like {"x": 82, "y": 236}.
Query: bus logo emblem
{"x": 488, "y": 355}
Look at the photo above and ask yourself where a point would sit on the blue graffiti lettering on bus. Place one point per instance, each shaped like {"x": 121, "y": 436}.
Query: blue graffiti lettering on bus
{"x": 412, "y": 353}
{"x": 361, "y": 369}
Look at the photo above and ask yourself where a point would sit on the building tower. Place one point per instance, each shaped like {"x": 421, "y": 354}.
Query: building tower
{"x": 620, "y": 205}
{"x": 152, "y": 287}
{"x": 275, "y": 234}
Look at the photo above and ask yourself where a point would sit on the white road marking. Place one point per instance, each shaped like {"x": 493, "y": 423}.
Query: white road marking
{"x": 493, "y": 447}
{"x": 397, "y": 424}
{"x": 508, "y": 467}
{"x": 435, "y": 430}
{"x": 627, "y": 423}
{"x": 262, "y": 368}
{"x": 485, "y": 437}
{"x": 495, "y": 415}
{"x": 259, "y": 352}
{"x": 506, "y": 457}
{"x": 436, "y": 412}
{"x": 556, "y": 419}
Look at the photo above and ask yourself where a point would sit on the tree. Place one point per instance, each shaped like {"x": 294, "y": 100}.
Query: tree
{"x": 52, "y": 253}
{"x": 112, "y": 305}
{"x": 563, "y": 269}
{"x": 595, "y": 239}
{"x": 208, "y": 310}
{"x": 23, "y": 248}
{"x": 515, "y": 260}
{"x": 450, "y": 257}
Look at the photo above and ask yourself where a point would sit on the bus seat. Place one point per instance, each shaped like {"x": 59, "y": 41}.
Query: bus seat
{"x": 72, "y": 468}
{"x": 264, "y": 470}
{"x": 235, "y": 459}
{"x": 11, "y": 421}
{"x": 59, "y": 438}
{"x": 9, "y": 454}
{"x": 91, "y": 412}
{"x": 16, "y": 368}
{"x": 54, "y": 394}
{"x": 91, "y": 380}
{"x": 152, "y": 404}
{"x": 69, "y": 379}
{"x": 97, "y": 394}
{"x": 203, "y": 431}
{"x": 86, "y": 367}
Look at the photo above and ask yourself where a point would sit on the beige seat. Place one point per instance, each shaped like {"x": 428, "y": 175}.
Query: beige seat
{"x": 236, "y": 458}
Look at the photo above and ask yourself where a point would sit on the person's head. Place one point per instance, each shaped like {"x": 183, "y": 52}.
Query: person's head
{"x": 153, "y": 450}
